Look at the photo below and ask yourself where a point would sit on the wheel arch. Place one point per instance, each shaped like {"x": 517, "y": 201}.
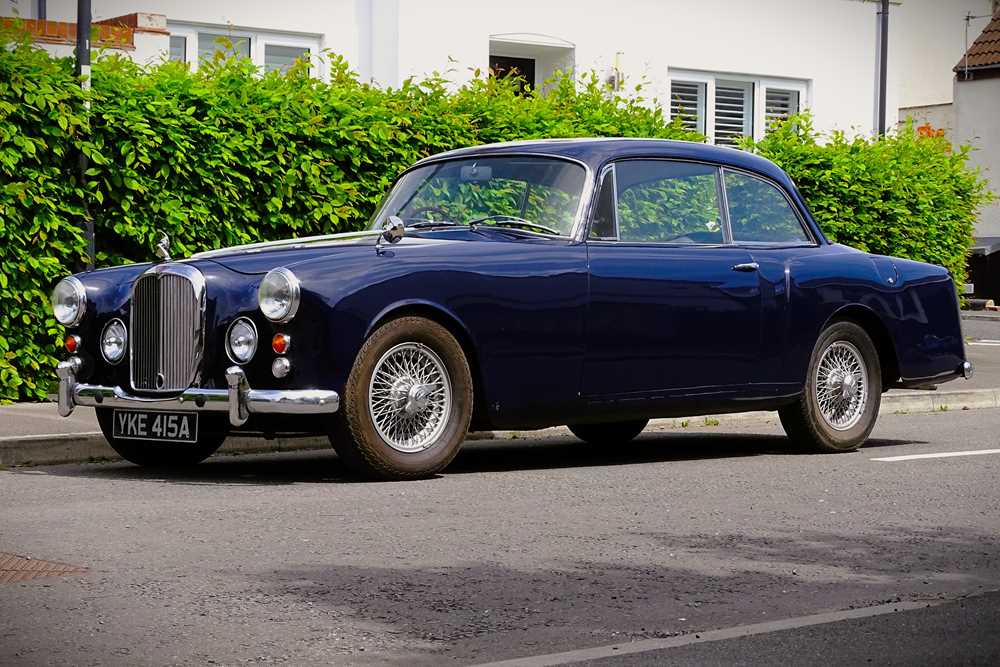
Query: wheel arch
{"x": 876, "y": 329}
{"x": 450, "y": 321}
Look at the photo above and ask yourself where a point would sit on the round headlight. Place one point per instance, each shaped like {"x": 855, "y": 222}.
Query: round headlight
{"x": 113, "y": 341}
{"x": 241, "y": 342}
{"x": 278, "y": 295}
{"x": 69, "y": 301}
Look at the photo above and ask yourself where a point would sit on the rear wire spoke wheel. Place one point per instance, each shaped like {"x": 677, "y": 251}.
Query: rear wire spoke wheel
{"x": 841, "y": 385}
{"x": 842, "y": 393}
{"x": 407, "y": 402}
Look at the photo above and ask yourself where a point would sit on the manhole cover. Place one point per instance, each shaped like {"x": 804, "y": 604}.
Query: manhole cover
{"x": 19, "y": 568}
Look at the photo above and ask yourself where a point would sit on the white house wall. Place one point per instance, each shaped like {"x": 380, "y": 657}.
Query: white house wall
{"x": 334, "y": 22}
{"x": 930, "y": 39}
{"x": 828, "y": 44}
{"x": 976, "y": 124}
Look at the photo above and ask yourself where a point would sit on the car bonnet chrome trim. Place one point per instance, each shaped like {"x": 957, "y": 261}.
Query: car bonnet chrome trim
{"x": 289, "y": 244}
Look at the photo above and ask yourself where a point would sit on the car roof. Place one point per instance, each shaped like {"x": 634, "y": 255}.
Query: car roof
{"x": 597, "y": 151}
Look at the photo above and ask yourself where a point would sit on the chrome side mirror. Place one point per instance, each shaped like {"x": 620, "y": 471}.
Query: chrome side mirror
{"x": 394, "y": 229}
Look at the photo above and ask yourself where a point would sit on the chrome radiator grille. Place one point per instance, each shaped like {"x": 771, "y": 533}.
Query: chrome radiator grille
{"x": 167, "y": 314}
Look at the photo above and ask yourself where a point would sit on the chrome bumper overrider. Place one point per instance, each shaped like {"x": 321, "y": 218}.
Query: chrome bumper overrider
{"x": 239, "y": 400}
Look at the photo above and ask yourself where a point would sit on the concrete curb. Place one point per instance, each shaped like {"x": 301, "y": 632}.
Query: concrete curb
{"x": 91, "y": 446}
{"x": 989, "y": 316}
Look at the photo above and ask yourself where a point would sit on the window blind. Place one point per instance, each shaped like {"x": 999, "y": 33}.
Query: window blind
{"x": 687, "y": 100}
{"x": 733, "y": 111}
{"x": 780, "y": 104}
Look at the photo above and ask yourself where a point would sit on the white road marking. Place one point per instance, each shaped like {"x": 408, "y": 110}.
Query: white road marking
{"x": 940, "y": 455}
{"x": 646, "y": 645}
{"x": 986, "y": 343}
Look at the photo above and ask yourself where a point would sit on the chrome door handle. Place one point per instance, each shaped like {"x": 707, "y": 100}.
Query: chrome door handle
{"x": 748, "y": 267}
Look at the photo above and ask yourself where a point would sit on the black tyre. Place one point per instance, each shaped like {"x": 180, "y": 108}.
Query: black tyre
{"x": 609, "y": 433}
{"x": 212, "y": 432}
{"x": 842, "y": 393}
{"x": 407, "y": 402}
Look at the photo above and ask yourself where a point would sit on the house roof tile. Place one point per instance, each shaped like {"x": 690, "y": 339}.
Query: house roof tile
{"x": 985, "y": 51}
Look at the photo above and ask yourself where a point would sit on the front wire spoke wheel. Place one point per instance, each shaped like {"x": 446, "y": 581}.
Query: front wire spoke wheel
{"x": 410, "y": 397}
{"x": 841, "y": 385}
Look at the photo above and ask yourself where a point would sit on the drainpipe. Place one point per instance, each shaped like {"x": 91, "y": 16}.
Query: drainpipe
{"x": 883, "y": 65}
{"x": 83, "y": 18}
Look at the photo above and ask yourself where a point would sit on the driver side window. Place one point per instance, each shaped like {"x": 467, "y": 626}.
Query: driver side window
{"x": 663, "y": 201}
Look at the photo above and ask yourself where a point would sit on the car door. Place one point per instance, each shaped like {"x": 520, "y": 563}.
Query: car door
{"x": 673, "y": 306}
{"x": 764, "y": 221}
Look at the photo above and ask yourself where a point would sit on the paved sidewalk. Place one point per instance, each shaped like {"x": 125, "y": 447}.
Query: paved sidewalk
{"x": 23, "y": 419}
{"x": 35, "y": 433}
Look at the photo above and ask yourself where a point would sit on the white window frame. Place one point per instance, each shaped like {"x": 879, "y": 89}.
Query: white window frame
{"x": 297, "y": 41}
{"x": 748, "y": 85}
{"x": 259, "y": 39}
{"x": 701, "y": 111}
{"x": 760, "y": 86}
{"x": 760, "y": 100}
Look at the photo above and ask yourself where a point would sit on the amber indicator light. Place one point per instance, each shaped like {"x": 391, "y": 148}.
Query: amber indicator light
{"x": 280, "y": 343}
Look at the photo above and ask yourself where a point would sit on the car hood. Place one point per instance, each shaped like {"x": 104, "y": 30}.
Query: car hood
{"x": 260, "y": 258}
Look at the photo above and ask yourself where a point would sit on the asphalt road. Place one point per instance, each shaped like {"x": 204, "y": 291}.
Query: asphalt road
{"x": 528, "y": 547}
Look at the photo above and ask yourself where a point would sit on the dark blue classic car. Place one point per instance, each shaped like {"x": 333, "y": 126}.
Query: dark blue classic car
{"x": 594, "y": 283}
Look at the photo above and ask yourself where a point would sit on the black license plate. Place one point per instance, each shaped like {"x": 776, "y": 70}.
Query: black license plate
{"x": 161, "y": 426}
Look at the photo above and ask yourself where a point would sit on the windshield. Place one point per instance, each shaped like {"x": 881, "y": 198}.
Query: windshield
{"x": 532, "y": 193}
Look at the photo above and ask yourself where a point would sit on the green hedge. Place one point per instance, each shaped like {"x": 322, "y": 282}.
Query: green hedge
{"x": 226, "y": 156}
{"x": 906, "y": 195}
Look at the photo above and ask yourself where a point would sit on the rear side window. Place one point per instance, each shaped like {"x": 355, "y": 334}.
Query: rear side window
{"x": 661, "y": 201}
{"x": 760, "y": 213}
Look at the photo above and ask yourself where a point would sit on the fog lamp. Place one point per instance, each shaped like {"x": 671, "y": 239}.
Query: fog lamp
{"x": 241, "y": 342}
{"x": 113, "y": 341}
{"x": 281, "y": 367}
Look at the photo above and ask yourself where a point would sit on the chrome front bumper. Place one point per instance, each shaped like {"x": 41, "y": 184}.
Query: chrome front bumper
{"x": 239, "y": 400}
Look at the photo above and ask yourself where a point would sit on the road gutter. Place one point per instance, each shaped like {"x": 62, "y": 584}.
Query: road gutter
{"x": 59, "y": 448}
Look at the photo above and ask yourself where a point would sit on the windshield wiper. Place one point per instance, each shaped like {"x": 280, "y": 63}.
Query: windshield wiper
{"x": 514, "y": 221}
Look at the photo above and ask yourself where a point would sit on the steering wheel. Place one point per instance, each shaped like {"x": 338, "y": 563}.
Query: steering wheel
{"x": 427, "y": 209}
{"x": 515, "y": 221}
